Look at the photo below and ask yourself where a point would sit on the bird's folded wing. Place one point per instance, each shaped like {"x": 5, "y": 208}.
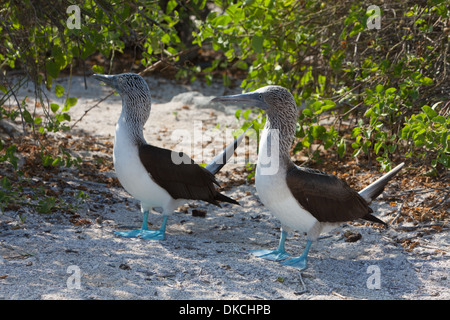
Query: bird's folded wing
{"x": 178, "y": 174}
{"x": 325, "y": 196}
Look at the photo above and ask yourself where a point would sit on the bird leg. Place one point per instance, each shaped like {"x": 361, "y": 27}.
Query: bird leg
{"x": 299, "y": 262}
{"x": 274, "y": 255}
{"x": 144, "y": 233}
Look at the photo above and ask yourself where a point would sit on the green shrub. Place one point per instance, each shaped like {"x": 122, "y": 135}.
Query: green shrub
{"x": 378, "y": 80}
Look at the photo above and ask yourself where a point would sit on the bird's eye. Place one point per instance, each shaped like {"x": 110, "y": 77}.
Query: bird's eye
{"x": 260, "y": 97}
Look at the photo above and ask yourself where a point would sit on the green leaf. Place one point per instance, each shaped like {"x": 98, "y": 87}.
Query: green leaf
{"x": 439, "y": 119}
{"x": 356, "y": 29}
{"x": 46, "y": 160}
{"x": 392, "y": 148}
{"x": 59, "y": 90}
{"x": 37, "y": 120}
{"x": 379, "y": 88}
{"x": 318, "y": 131}
{"x": 70, "y": 102}
{"x": 27, "y": 116}
{"x": 165, "y": 38}
{"x": 241, "y": 65}
{"x": 237, "y": 114}
{"x": 426, "y": 81}
{"x": 419, "y": 140}
{"x": 221, "y": 20}
{"x": 247, "y": 113}
{"x": 429, "y": 112}
{"x": 3, "y": 89}
{"x": 54, "y": 107}
{"x": 342, "y": 146}
{"x": 52, "y": 69}
{"x": 390, "y": 91}
{"x": 307, "y": 112}
{"x": 88, "y": 49}
{"x": 328, "y": 143}
{"x": 170, "y": 6}
{"x": 378, "y": 146}
{"x": 336, "y": 59}
{"x": 257, "y": 43}
{"x": 59, "y": 57}
{"x": 98, "y": 69}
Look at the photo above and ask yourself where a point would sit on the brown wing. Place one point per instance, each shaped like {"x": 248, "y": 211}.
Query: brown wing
{"x": 180, "y": 175}
{"x": 325, "y": 196}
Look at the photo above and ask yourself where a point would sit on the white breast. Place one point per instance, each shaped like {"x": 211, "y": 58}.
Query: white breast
{"x": 270, "y": 181}
{"x": 134, "y": 177}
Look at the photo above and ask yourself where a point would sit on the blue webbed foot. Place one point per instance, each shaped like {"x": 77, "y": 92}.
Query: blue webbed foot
{"x": 276, "y": 254}
{"x": 272, "y": 255}
{"x": 299, "y": 263}
{"x": 143, "y": 234}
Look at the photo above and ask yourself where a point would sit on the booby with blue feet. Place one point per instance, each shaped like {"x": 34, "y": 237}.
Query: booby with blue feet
{"x": 157, "y": 177}
{"x": 304, "y": 200}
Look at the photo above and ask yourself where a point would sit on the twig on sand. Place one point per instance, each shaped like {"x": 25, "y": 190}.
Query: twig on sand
{"x": 305, "y": 289}
{"x": 94, "y": 106}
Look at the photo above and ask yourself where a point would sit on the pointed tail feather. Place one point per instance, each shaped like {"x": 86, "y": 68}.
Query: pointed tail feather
{"x": 372, "y": 191}
{"x": 221, "y": 159}
{"x": 223, "y": 198}
{"x": 372, "y": 218}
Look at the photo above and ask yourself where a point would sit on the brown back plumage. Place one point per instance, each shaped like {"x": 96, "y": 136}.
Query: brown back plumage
{"x": 185, "y": 180}
{"x": 325, "y": 196}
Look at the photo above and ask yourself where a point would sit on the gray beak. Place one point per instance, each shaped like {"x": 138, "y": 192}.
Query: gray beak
{"x": 251, "y": 99}
{"x": 108, "y": 79}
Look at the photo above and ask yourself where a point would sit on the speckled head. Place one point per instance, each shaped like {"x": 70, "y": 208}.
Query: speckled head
{"x": 132, "y": 88}
{"x": 136, "y": 99}
{"x": 125, "y": 83}
{"x": 278, "y": 103}
{"x": 266, "y": 98}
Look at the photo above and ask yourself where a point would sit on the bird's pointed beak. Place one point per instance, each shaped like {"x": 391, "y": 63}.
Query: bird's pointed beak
{"x": 108, "y": 79}
{"x": 251, "y": 99}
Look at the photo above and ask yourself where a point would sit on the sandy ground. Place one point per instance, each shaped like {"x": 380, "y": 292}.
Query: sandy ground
{"x": 203, "y": 257}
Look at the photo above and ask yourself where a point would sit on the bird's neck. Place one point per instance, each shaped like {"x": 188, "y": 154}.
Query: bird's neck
{"x": 276, "y": 140}
{"x": 131, "y": 122}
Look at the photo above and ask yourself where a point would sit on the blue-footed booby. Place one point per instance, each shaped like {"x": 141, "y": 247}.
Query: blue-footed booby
{"x": 303, "y": 199}
{"x": 157, "y": 177}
